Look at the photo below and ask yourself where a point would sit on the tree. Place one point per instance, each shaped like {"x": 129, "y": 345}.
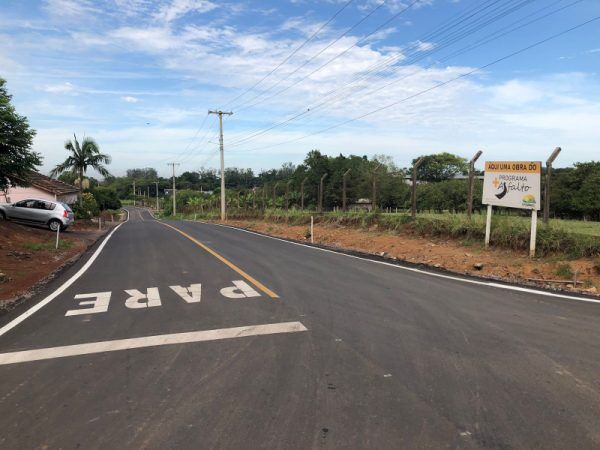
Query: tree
{"x": 16, "y": 157}
{"x": 441, "y": 166}
{"x": 82, "y": 156}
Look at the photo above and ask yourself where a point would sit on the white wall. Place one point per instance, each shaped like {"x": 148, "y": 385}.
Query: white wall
{"x": 16, "y": 194}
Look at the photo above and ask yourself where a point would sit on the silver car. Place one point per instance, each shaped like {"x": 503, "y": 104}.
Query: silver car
{"x": 38, "y": 211}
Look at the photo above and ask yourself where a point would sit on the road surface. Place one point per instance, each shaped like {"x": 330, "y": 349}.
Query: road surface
{"x": 189, "y": 335}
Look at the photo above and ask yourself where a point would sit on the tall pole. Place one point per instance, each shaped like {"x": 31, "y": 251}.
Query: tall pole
{"x": 220, "y": 114}
{"x": 414, "y": 187}
{"x": 275, "y": 193}
{"x": 321, "y": 189}
{"x": 472, "y": 183}
{"x": 374, "y": 201}
{"x": 133, "y": 192}
{"x": 174, "y": 192}
{"x": 344, "y": 207}
{"x": 156, "y": 182}
{"x": 302, "y": 194}
{"x": 287, "y": 195}
{"x": 549, "y": 162}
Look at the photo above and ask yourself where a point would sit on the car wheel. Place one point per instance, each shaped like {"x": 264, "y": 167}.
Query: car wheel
{"x": 54, "y": 225}
{"x": 2, "y": 215}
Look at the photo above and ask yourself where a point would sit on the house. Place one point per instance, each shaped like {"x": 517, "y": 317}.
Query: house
{"x": 361, "y": 203}
{"x": 42, "y": 187}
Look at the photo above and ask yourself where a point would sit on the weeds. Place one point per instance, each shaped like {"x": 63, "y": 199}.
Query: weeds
{"x": 41, "y": 246}
{"x": 564, "y": 271}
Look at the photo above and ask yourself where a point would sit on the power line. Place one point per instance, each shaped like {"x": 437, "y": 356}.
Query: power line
{"x": 340, "y": 96}
{"x": 436, "y": 86}
{"x": 364, "y": 18}
{"x": 338, "y": 12}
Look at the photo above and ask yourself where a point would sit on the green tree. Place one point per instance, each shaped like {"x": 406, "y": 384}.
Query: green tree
{"x": 82, "y": 156}
{"x": 16, "y": 157}
{"x": 441, "y": 166}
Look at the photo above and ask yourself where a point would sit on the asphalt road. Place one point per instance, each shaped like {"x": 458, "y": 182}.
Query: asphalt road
{"x": 309, "y": 349}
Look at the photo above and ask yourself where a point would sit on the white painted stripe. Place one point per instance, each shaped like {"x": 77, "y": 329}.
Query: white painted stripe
{"x": 421, "y": 271}
{"x": 150, "y": 341}
{"x": 13, "y": 323}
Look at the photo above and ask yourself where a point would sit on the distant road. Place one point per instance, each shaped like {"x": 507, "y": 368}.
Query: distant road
{"x": 190, "y": 335}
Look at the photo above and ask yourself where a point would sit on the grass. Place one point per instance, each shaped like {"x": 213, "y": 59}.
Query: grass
{"x": 45, "y": 246}
{"x": 564, "y": 271}
{"x": 560, "y": 237}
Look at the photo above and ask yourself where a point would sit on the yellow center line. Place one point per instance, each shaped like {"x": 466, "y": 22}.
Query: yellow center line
{"x": 225, "y": 261}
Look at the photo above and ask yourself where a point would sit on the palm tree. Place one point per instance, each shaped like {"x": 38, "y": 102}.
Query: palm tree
{"x": 82, "y": 156}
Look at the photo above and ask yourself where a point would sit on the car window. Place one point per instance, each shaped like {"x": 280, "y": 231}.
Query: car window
{"x": 40, "y": 204}
{"x": 67, "y": 207}
{"x": 29, "y": 203}
{"x": 22, "y": 204}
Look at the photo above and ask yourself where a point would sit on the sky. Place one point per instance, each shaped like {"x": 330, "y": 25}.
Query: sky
{"x": 362, "y": 77}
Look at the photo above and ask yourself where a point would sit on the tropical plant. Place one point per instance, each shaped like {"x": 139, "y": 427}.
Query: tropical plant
{"x": 82, "y": 156}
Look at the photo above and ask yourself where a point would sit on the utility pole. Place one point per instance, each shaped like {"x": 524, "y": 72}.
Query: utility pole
{"x": 414, "y": 186}
{"x": 133, "y": 192}
{"x": 287, "y": 194}
{"x": 302, "y": 194}
{"x": 275, "y": 193}
{"x": 472, "y": 183}
{"x": 156, "y": 182}
{"x": 174, "y": 202}
{"x": 344, "y": 207}
{"x": 374, "y": 201}
{"x": 549, "y": 162}
{"x": 321, "y": 189}
{"x": 220, "y": 114}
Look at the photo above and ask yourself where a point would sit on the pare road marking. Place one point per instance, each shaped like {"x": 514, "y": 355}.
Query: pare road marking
{"x": 151, "y": 298}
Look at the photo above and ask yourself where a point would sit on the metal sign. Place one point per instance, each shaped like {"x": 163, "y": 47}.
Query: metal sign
{"x": 514, "y": 184}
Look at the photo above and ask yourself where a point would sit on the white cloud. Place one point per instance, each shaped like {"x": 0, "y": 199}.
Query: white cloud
{"x": 71, "y": 8}
{"x": 130, "y": 99}
{"x": 61, "y": 88}
{"x": 179, "y": 8}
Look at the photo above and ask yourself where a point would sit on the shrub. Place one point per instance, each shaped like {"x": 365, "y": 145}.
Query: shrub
{"x": 87, "y": 208}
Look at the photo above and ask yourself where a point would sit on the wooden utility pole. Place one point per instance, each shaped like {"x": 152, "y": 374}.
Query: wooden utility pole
{"x": 174, "y": 202}
{"x": 344, "y": 206}
{"x": 414, "y": 187}
{"x": 302, "y": 194}
{"x": 374, "y": 193}
{"x": 287, "y": 194}
{"x": 220, "y": 114}
{"x": 549, "y": 162}
{"x": 133, "y": 192}
{"x": 472, "y": 183}
{"x": 156, "y": 182}
{"x": 275, "y": 193}
{"x": 321, "y": 193}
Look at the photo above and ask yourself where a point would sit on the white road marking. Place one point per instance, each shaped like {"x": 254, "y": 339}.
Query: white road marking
{"x": 99, "y": 305}
{"x": 151, "y": 297}
{"x": 149, "y": 341}
{"x": 421, "y": 271}
{"x": 192, "y": 294}
{"x": 13, "y": 323}
{"x": 241, "y": 289}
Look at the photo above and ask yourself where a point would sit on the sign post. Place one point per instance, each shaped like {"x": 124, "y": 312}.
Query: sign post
{"x": 513, "y": 184}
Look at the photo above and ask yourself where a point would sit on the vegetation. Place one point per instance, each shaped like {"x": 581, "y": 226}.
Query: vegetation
{"x": 81, "y": 157}
{"x": 50, "y": 245}
{"x": 16, "y": 137}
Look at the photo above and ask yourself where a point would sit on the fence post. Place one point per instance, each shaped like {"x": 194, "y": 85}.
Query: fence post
{"x": 471, "y": 183}
{"x": 414, "y": 187}
{"x": 57, "y": 236}
{"x": 374, "y": 192}
{"x": 321, "y": 193}
{"x": 549, "y": 162}
{"x": 533, "y": 235}
{"x": 344, "y": 206}
{"x": 312, "y": 234}
{"x": 488, "y": 226}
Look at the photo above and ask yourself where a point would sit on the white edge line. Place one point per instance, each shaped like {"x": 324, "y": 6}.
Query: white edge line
{"x": 149, "y": 341}
{"x": 16, "y": 321}
{"x": 421, "y": 271}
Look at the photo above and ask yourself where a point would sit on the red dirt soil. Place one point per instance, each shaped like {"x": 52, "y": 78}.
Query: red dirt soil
{"x": 498, "y": 264}
{"x": 22, "y": 267}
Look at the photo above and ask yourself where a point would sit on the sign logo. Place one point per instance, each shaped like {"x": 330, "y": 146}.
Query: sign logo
{"x": 528, "y": 201}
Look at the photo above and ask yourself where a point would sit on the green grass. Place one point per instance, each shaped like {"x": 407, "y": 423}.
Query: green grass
{"x": 40, "y": 246}
{"x": 564, "y": 271}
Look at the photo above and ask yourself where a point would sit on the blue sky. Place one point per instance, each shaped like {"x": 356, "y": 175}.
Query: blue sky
{"x": 140, "y": 75}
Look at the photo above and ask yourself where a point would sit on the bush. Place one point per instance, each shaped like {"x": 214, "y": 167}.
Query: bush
{"x": 106, "y": 198}
{"x": 88, "y": 207}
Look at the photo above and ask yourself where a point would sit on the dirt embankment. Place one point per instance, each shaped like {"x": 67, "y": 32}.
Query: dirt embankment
{"x": 580, "y": 275}
{"x": 28, "y": 255}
